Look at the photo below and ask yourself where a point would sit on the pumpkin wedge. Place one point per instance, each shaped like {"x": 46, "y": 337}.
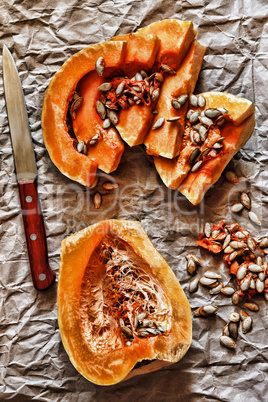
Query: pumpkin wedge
{"x": 233, "y": 134}
{"x": 60, "y": 145}
{"x": 167, "y": 140}
{"x": 175, "y": 39}
{"x": 119, "y": 303}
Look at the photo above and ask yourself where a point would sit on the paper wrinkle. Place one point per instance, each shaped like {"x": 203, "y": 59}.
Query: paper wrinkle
{"x": 33, "y": 363}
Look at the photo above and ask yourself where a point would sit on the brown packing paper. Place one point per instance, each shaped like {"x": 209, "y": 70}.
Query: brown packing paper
{"x": 33, "y": 364}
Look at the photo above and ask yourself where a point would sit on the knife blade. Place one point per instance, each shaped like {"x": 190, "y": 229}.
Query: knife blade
{"x": 24, "y": 158}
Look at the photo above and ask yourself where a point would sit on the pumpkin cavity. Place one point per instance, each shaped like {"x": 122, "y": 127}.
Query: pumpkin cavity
{"x": 121, "y": 302}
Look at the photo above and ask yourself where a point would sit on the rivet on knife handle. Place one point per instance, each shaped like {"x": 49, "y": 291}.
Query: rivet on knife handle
{"x": 42, "y": 274}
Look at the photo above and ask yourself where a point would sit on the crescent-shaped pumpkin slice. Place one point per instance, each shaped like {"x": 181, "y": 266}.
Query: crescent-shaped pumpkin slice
{"x": 237, "y": 129}
{"x": 119, "y": 303}
{"x": 175, "y": 38}
{"x": 59, "y": 143}
{"x": 167, "y": 140}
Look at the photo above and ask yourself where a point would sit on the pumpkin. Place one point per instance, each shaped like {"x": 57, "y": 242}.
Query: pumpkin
{"x": 239, "y": 125}
{"x": 60, "y": 145}
{"x": 175, "y": 38}
{"x": 119, "y": 303}
{"x": 167, "y": 140}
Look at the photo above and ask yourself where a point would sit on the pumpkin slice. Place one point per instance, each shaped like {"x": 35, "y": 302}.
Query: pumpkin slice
{"x": 108, "y": 149}
{"x": 119, "y": 303}
{"x": 176, "y": 173}
{"x": 175, "y": 39}
{"x": 61, "y": 147}
{"x": 166, "y": 140}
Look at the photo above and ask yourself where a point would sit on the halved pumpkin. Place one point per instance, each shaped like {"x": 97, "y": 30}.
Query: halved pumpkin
{"x": 119, "y": 303}
{"x": 175, "y": 39}
{"x": 60, "y": 145}
{"x": 167, "y": 140}
{"x": 236, "y": 131}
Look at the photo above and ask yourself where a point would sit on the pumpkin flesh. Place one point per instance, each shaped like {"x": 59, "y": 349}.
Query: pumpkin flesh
{"x": 95, "y": 292}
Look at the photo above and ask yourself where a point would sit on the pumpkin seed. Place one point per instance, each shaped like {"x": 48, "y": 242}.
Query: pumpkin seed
{"x": 155, "y": 95}
{"x": 76, "y": 104}
{"x": 237, "y": 208}
{"x": 226, "y": 241}
{"x": 220, "y": 121}
{"x": 227, "y": 291}
{"x": 237, "y": 244}
{"x": 223, "y": 110}
{"x": 168, "y": 69}
{"x": 254, "y": 218}
{"x": 146, "y": 323}
{"x": 175, "y": 104}
{"x": 264, "y": 243}
{"x": 226, "y": 331}
{"x": 193, "y": 285}
{"x": 207, "y": 229}
{"x": 194, "y": 117}
{"x": 143, "y": 333}
{"x": 136, "y": 98}
{"x": 110, "y": 105}
{"x": 234, "y": 317}
{"x": 101, "y": 110}
{"x": 143, "y": 74}
{"x": 120, "y": 88}
{"x": 259, "y": 286}
{"x": 212, "y": 275}
{"x": 81, "y": 147}
{"x": 215, "y": 233}
{"x": 189, "y": 113}
{"x": 207, "y": 281}
{"x": 109, "y": 186}
{"x": 95, "y": 183}
{"x": 216, "y": 290}
{"x": 142, "y": 315}
{"x": 182, "y": 99}
{"x": 246, "y": 324}
{"x": 203, "y": 132}
{"x": 154, "y": 111}
{"x": 127, "y": 331}
{"x": 231, "y": 177}
{"x": 138, "y": 77}
{"x": 212, "y": 113}
{"x": 113, "y": 116}
{"x": 136, "y": 88}
{"x": 245, "y": 200}
{"x": 196, "y": 127}
{"x": 193, "y": 100}
{"x": 106, "y": 86}
{"x": 204, "y": 153}
{"x": 94, "y": 139}
{"x": 195, "y": 258}
{"x": 196, "y": 166}
{"x": 254, "y": 267}
{"x": 241, "y": 272}
{"x": 233, "y": 329}
{"x": 106, "y": 123}
{"x": 227, "y": 342}
{"x": 206, "y": 121}
{"x": 259, "y": 261}
{"x": 208, "y": 310}
{"x": 173, "y": 119}
{"x": 100, "y": 66}
{"x": 232, "y": 228}
{"x": 252, "y": 306}
{"x": 217, "y": 145}
{"x": 201, "y": 101}
{"x": 162, "y": 329}
{"x": 245, "y": 283}
{"x": 191, "y": 266}
{"x": 262, "y": 276}
{"x": 97, "y": 199}
{"x": 233, "y": 255}
{"x": 243, "y": 315}
{"x": 228, "y": 250}
{"x": 236, "y": 297}
{"x": 194, "y": 154}
{"x": 159, "y": 123}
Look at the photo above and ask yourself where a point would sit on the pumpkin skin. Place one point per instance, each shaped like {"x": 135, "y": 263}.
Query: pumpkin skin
{"x": 102, "y": 365}
{"x": 175, "y": 38}
{"x": 167, "y": 140}
{"x": 238, "y": 128}
{"x": 60, "y": 146}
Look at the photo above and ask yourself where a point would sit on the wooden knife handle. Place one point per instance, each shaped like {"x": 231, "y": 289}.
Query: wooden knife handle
{"x": 42, "y": 275}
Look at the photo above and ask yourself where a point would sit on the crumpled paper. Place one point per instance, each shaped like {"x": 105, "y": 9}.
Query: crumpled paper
{"x": 33, "y": 363}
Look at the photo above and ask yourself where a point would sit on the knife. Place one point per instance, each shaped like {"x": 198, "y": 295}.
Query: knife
{"x": 42, "y": 275}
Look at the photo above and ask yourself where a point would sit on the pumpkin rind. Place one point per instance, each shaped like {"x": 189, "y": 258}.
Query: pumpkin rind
{"x": 166, "y": 141}
{"x": 110, "y": 367}
{"x": 58, "y": 142}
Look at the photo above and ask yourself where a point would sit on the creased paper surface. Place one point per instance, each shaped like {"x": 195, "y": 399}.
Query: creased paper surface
{"x": 33, "y": 363}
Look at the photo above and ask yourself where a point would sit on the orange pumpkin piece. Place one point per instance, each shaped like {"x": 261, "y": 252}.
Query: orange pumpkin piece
{"x": 119, "y": 303}
{"x": 175, "y": 39}
{"x": 167, "y": 140}
{"x": 60, "y": 145}
{"x": 236, "y": 130}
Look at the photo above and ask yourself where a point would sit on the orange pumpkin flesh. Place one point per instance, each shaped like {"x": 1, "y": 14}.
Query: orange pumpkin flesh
{"x": 58, "y": 142}
{"x": 166, "y": 140}
{"x": 175, "y": 173}
{"x": 175, "y": 39}
{"x": 93, "y": 295}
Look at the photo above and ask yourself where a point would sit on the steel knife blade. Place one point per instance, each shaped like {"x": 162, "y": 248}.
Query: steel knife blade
{"x": 24, "y": 158}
